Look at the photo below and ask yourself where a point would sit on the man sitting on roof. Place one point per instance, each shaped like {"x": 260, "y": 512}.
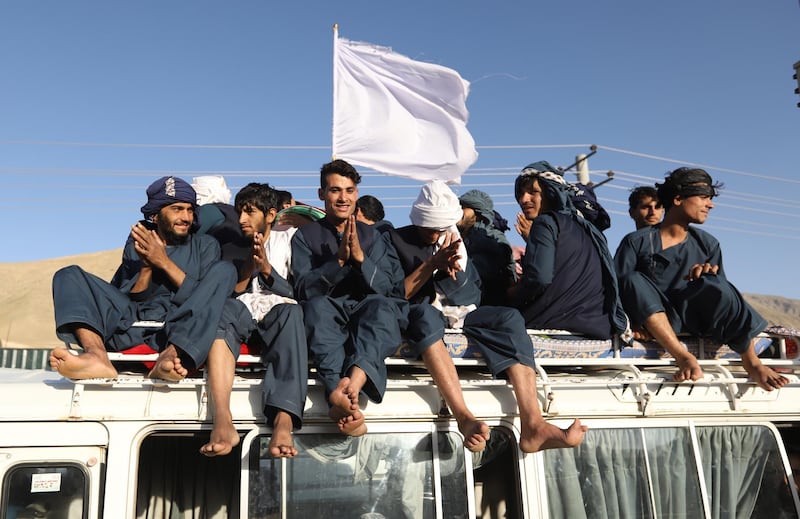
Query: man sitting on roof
{"x": 279, "y": 331}
{"x": 644, "y": 207}
{"x": 370, "y": 211}
{"x": 342, "y": 277}
{"x": 439, "y": 275}
{"x": 671, "y": 280}
{"x": 568, "y": 280}
{"x": 487, "y": 246}
{"x": 168, "y": 274}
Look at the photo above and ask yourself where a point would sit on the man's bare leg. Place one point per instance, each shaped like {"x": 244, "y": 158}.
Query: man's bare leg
{"x": 221, "y": 365}
{"x": 766, "y": 378}
{"x": 345, "y": 409}
{"x": 658, "y": 326}
{"x": 92, "y": 363}
{"x": 168, "y": 365}
{"x": 281, "y": 444}
{"x": 538, "y": 434}
{"x": 445, "y": 376}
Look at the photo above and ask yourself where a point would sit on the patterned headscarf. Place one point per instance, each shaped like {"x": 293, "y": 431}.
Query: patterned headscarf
{"x": 166, "y": 191}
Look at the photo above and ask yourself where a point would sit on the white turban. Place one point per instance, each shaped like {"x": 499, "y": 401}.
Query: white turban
{"x": 211, "y": 189}
{"x": 437, "y": 207}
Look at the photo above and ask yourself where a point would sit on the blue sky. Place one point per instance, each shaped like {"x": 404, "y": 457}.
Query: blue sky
{"x": 97, "y": 99}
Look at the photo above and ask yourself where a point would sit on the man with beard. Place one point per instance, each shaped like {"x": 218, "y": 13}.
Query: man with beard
{"x": 167, "y": 274}
{"x": 279, "y": 332}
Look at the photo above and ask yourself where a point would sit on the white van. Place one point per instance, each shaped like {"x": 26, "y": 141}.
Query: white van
{"x": 128, "y": 448}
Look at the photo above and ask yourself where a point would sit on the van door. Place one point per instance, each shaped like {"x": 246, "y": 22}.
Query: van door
{"x": 45, "y": 472}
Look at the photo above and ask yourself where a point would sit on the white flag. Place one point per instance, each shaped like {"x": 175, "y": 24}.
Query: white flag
{"x": 399, "y": 116}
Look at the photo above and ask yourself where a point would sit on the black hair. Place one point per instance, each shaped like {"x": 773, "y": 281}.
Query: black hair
{"x": 371, "y": 208}
{"x": 640, "y": 192}
{"x": 284, "y": 197}
{"x": 685, "y": 182}
{"x": 339, "y": 167}
{"x": 260, "y": 196}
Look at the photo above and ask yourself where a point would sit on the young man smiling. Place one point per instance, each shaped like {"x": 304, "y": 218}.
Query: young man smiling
{"x": 671, "y": 280}
{"x": 342, "y": 274}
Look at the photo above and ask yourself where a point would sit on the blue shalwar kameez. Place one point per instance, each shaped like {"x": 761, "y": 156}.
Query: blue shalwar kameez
{"x": 191, "y": 313}
{"x": 652, "y": 280}
{"x": 498, "y": 332}
{"x": 352, "y": 314}
{"x": 279, "y": 335}
{"x": 565, "y": 283}
{"x": 284, "y": 351}
{"x": 490, "y": 252}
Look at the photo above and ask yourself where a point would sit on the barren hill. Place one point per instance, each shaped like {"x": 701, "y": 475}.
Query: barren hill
{"x": 26, "y": 300}
{"x": 26, "y": 304}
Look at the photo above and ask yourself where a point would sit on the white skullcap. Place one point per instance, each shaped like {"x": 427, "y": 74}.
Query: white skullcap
{"x": 436, "y": 207}
{"x": 211, "y": 189}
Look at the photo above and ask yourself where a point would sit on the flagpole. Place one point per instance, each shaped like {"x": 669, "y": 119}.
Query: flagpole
{"x": 334, "y": 89}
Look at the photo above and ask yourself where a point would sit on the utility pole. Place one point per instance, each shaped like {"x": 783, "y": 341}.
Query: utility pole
{"x": 797, "y": 78}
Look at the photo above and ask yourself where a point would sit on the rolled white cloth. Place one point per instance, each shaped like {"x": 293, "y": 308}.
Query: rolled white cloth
{"x": 211, "y": 189}
{"x": 437, "y": 207}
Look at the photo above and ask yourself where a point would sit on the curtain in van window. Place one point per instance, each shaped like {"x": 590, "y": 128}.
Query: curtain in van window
{"x": 603, "y": 477}
{"x": 673, "y": 472}
{"x": 642, "y": 473}
{"x": 175, "y": 481}
{"x": 652, "y": 472}
{"x": 734, "y": 459}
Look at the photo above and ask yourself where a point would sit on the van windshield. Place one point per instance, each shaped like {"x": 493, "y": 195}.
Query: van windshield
{"x": 420, "y": 475}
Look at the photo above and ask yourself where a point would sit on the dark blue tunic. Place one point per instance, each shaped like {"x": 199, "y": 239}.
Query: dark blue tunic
{"x": 564, "y": 284}
{"x": 352, "y": 315}
{"x": 652, "y": 280}
{"x": 191, "y": 313}
{"x": 498, "y": 332}
{"x": 490, "y": 252}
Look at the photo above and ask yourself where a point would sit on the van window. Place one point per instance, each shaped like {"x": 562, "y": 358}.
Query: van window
{"x": 52, "y": 490}
{"x": 667, "y": 471}
{"x": 175, "y": 480}
{"x": 397, "y": 475}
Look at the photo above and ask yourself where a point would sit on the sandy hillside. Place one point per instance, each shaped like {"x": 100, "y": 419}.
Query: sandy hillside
{"x": 26, "y": 301}
{"x": 26, "y": 305}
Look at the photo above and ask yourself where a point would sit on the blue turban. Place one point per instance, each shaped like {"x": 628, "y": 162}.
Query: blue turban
{"x": 479, "y": 202}
{"x": 166, "y": 191}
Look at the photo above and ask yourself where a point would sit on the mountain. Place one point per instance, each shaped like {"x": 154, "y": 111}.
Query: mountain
{"x": 26, "y": 303}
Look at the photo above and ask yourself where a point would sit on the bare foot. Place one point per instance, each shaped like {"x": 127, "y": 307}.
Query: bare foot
{"x": 688, "y": 368}
{"x": 544, "y": 435}
{"x": 352, "y": 425}
{"x": 80, "y": 367}
{"x": 766, "y": 378}
{"x": 281, "y": 444}
{"x": 224, "y": 438}
{"x": 168, "y": 366}
{"x": 345, "y": 410}
{"x": 475, "y": 433}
